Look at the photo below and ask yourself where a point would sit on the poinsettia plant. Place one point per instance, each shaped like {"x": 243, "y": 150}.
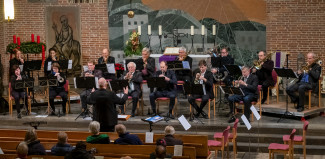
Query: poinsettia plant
{"x": 133, "y": 45}
{"x": 119, "y": 67}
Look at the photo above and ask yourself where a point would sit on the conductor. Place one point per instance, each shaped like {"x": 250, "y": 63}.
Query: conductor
{"x": 104, "y": 109}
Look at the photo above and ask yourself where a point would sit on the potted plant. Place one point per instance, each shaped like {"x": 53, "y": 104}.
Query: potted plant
{"x": 133, "y": 45}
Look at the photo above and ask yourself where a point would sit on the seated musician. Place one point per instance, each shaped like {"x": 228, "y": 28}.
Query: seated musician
{"x": 226, "y": 60}
{"x": 205, "y": 78}
{"x": 263, "y": 71}
{"x": 51, "y": 58}
{"x": 149, "y": 64}
{"x": 308, "y": 80}
{"x": 169, "y": 91}
{"x": 107, "y": 59}
{"x": 18, "y": 60}
{"x": 182, "y": 74}
{"x": 18, "y": 93}
{"x": 135, "y": 80}
{"x": 59, "y": 89}
{"x": 91, "y": 72}
{"x": 248, "y": 85}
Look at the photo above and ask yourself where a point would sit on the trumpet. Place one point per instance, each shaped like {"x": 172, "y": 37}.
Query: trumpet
{"x": 59, "y": 78}
{"x": 145, "y": 62}
{"x": 237, "y": 82}
{"x": 197, "y": 78}
{"x": 305, "y": 68}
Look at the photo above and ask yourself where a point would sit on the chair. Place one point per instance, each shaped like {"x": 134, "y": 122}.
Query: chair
{"x": 232, "y": 137}
{"x": 259, "y": 102}
{"x": 209, "y": 104}
{"x": 220, "y": 145}
{"x": 130, "y": 99}
{"x": 11, "y": 99}
{"x": 276, "y": 86}
{"x": 283, "y": 148}
{"x": 319, "y": 94}
{"x": 166, "y": 99}
{"x": 299, "y": 140}
{"x": 67, "y": 89}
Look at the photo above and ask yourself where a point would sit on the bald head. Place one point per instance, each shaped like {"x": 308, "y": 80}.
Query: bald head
{"x": 102, "y": 83}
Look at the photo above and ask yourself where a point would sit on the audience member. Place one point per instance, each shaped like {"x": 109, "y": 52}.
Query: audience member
{"x": 96, "y": 138}
{"x": 62, "y": 147}
{"x": 169, "y": 137}
{"x": 160, "y": 151}
{"x": 22, "y": 150}
{"x": 125, "y": 138}
{"x": 126, "y": 157}
{"x": 80, "y": 152}
{"x": 34, "y": 145}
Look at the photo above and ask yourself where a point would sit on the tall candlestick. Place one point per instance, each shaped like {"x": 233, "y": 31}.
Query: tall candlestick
{"x": 159, "y": 30}
{"x": 149, "y": 29}
{"x": 202, "y": 30}
{"x": 213, "y": 29}
{"x": 14, "y": 39}
{"x": 18, "y": 40}
{"x": 139, "y": 30}
{"x": 38, "y": 39}
{"x": 32, "y": 37}
{"x": 192, "y": 30}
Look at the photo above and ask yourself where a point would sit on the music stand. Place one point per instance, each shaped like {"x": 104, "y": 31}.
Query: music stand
{"x": 156, "y": 82}
{"x": 288, "y": 73}
{"x": 64, "y": 64}
{"x": 101, "y": 67}
{"x": 191, "y": 89}
{"x": 32, "y": 66}
{"x": 118, "y": 85}
{"x": 24, "y": 84}
{"x": 217, "y": 63}
{"x": 232, "y": 90}
{"x": 152, "y": 120}
{"x": 86, "y": 83}
{"x": 234, "y": 70}
{"x": 139, "y": 63}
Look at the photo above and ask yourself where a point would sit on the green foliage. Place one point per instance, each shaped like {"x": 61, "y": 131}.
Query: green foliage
{"x": 133, "y": 45}
{"x": 27, "y": 47}
{"x": 128, "y": 50}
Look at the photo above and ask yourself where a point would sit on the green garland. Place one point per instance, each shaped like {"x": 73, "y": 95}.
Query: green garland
{"x": 26, "y": 47}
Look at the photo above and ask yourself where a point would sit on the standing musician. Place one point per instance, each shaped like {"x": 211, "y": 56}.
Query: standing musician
{"x": 91, "y": 72}
{"x": 18, "y": 60}
{"x": 59, "y": 89}
{"x": 205, "y": 77}
{"x": 148, "y": 64}
{"x": 169, "y": 91}
{"x": 308, "y": 80}
{"x": 135, "y": 80}
{"x": 18, "y": 93}
{"x": 248, "y": 85}
{"x": 107, "y": 59}
{"x": 263, "y": 69}
{"x": 51, "y": 58}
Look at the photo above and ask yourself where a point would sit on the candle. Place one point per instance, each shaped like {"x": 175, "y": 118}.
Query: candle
{"x": 43, "y": 55}
{"x": 202, "y": 30}
{"x": 32, "y": 37}
{"x": 139, "y": 30}
{"x": 14, "y": 39}
{"x": 149, "y": 29}
{"x": 159, "y": 30}
{"x": 18, "y": 40}
{"x": 192, "y": 30}
{"x": 213, "y": 29}
{"x": 38, "y": 39}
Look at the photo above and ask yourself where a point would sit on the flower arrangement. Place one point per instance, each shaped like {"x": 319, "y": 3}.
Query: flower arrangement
{"x": 133, "y": 45}
{"x": 119, "y": 67}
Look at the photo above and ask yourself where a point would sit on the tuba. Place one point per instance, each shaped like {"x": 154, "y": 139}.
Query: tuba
{"x": 220, "y": 76}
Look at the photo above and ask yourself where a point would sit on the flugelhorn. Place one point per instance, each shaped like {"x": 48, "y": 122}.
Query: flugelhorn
{"x": 305, "y": 68}
{"x": 237, "y": 82}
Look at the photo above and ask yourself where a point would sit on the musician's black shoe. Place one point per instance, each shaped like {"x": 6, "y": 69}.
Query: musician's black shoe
{"x": 204, "y": 115}
{"x": 229, "y": 114}
{"x": 153, "y": 114}
{"x": 300, "y": 109}
{"x": 19, "y": 116}
{"x": 132, "y": 114}
{"x": 52, "y": 114}
{"x": 232, "y": 119}
{"x": 196, "y": 114}
{"x": 171, "y": 116}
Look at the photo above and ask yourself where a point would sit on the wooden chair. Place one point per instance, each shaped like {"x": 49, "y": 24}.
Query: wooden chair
{"x": 11, "y": 99}
{"x": 220, "y": 145}
{"x": 276, "y": 86}
{"x": 232, "y": 137}
{"x": 283, "y": 148}
{"x": 67, "y": 89}
{"x": 209, "y": 105}
{"x": 319, "y": 94}
{"x": 166, "y": 99}
{"x": 130, "y": 99}
{"x": 258, "y": 102}
{"x": 299, "y": 140}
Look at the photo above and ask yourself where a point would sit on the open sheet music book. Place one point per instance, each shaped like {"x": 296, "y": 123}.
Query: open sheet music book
{"x": 154, "y": 119}
{"x": 171, "y": 51}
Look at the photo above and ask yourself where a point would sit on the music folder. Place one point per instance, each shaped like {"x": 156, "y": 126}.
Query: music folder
{"x": 138, "y": 62}
{"x": 102, "y": 67}
{"x": 32, "y": 65}
{"x": 117, "y": 85}
{"x": 231, "y": 90}
{"x": 285, "y": 72}
{"x": 191, "y": 88}
{"x": 85, "y": 82}
{"x": 156, "y": 82}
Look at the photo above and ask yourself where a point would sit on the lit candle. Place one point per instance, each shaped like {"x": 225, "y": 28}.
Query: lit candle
{"x": 213, "y": 29}
{"x": 38, "y": 39}
{"x": 18, "y": 40}
{"x": 149, "y": 29}
{"x": 32, "y": 37}
{"x": 192, "y": 30}
{"x": 159, "y": 30}
{"x": 14, "y": 39}
{"x": 202, "y": 30}
{"x": 139, "y": 30}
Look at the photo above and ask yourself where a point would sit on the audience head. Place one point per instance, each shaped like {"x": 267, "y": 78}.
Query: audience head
{"x": 22, "y": 150}
{"x": 120, "y": 129}
{"x": 30, "y": 135}
{"x": 245, "y": 71}
{"x": 105, "y": 52}
{"x": 145, "y": 53}
{"x": 91, "y": 65}
{"x": 94, "y": 127}
{"x": 62, "y": 137}
{"x": 161, "y": 142}
{"x": 81, "y": 145}
{"x": 224, "y": 51}
{"x": 160, "y": 151}
{"x": 102, "y": 83}
{"x": 131, "y": 66}
{"x": 163, "y": 66}
{"x": 55, "y": 67}
{"x": 169, "y": 130}
{"x": 126, "y": 157}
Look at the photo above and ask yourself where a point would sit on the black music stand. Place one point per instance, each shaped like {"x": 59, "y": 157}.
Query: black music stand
{"x": 191, "y": 88}
{"x": 64, "y": 64}
{"x": 216, "y": 62}
{"x": 23, "y": 84}
{"x": 47, "y": 82}
{"x": 288, "y": 73}
{"x": 156, "y": 82}
{"x": 139, "y": 63}
{"x": 232, "y": 90}
{"x": 86, "y": 83}
{"x": 101, "y": 67}
{"x": 234, "y": 70}
{"x": 152, "y": 120}
{"x": 118, "y": 85}
{"x": 33, "y": 65}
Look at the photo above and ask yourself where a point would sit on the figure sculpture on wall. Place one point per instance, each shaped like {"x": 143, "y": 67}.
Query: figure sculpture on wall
{"x": 67, "y": 47}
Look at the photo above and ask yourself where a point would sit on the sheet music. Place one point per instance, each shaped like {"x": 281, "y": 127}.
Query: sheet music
{"x": 21, "y": 67}
{"x": 204, "y": 91}
{"x": 247, "y": 124}
{"x": 85, "y": 68}
{"x": 1, "y": 152}
{"x": 110, "y": 68}
{"x": 49, "y": 64}
{"x": 186, "y": 125}
{"x": 168, "y": 50}
{"x": 109, "y": 84}
{"x": 70, "y": 64}
{"x": 257, "y": 116}
{"x": 149, "y": 137}
{"x": 178, "y": 150}
{"x": 186, "y": 65}
{"x": 96, "y": 81}
{"x": 74, "y": 82}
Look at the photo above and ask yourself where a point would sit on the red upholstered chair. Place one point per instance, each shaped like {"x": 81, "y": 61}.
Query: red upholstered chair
{"x": 11, "y": 99}
{"x": 166, "y": 99}
{"x": 276, "y": 86}
{"x": 209, "y": 105}
{"x": 67, "y": 89}
{"x": 220, "y": 145}
{"x": 283, "y": 148}
{"x": 232, "y": 137}
{"x": 299, "y": 140}
{"x": 258, "y": 102}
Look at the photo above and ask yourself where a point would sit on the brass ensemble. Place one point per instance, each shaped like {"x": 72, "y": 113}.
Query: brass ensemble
{"x": 305, "y": 68}
{"x": 237, "y": 82}
{"x": 258, "y": 63}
